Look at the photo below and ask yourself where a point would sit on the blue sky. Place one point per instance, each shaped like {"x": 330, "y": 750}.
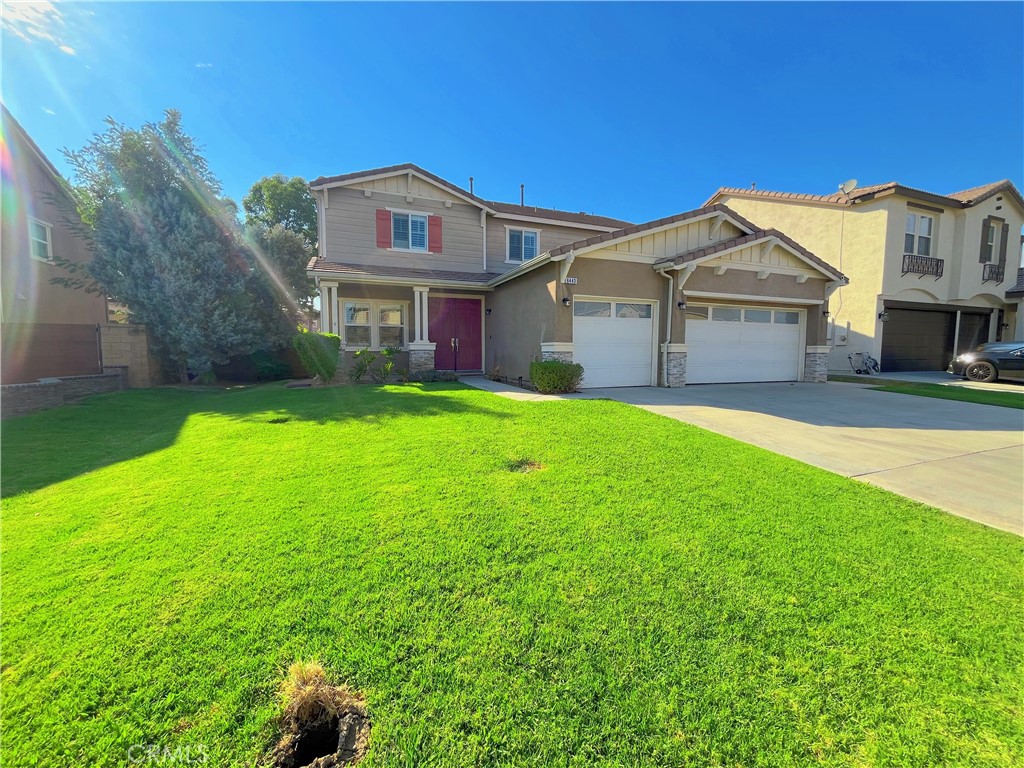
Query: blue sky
{"x": 635, "y": 111}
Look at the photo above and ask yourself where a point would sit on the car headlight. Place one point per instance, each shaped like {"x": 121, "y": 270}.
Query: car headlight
{"x": 967, "y": 358}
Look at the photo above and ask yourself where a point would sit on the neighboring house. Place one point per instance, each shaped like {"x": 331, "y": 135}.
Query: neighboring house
{"x": 929, "y": 274}
{"x": 48, "y": 330}
{"x": 457, "y": 282}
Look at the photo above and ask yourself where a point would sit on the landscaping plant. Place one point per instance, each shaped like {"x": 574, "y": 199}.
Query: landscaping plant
{"x": 318, "y": 353}
{"x": 555, "y": 376}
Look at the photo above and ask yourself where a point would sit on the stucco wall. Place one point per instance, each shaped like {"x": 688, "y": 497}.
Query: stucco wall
{"x": 523, "y": 315}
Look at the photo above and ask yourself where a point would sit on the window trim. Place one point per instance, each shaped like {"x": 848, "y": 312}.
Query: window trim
{"x": 49, "y": 240}
{"x": 374, "y": 324}
{"x": 508, "y": 242}
{"x": 916, "y": 234}
{"x": 425, "y": 250}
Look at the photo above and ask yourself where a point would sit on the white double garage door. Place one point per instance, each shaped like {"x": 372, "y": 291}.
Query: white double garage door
{"x": 615, "y": 340}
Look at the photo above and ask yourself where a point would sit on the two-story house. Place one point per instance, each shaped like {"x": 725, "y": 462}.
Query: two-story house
{"x": 931, "y": 275}
{"x": 48, "y": 329}
{"x": 456, "y": 282}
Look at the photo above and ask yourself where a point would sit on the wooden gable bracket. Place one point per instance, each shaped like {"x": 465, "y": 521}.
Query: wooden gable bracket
{"x": 763, "y": 274}
{"x": 684, "y": 274}
{"x": 801, "y": 279}
{"x": 766, "y": 249}
{"x": 367, "y": 193}
{"x": 447, "y": 203}
{"x": 720, "y": 269}
{"x": 563, "y": 269}
{"x": 715, "y": 226}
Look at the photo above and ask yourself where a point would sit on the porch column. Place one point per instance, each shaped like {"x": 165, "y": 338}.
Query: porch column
{"x": 323, "y": 308}
{"x": 335, "y": 320}
{"x": 421, "y": 350}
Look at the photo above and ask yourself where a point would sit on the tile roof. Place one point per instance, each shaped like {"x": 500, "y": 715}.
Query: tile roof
{"x": 1018, "y": 289}
{"x": 634, "y": 229}
{"x": 964, "y": 199}
{"x": 975, "y": 195}
{"x": 376, "y": 270}
{"x": 507, "y": 208}
{"x": 753, "y": 237}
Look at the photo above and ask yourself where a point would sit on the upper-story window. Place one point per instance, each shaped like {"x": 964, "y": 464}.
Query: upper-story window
{"x": 991, "y": 244}
{"x": 918, "y": 239}
{"x": 522, "y": 244}
{"x": 40, "y": 240}
{"x": 409, "y": 230}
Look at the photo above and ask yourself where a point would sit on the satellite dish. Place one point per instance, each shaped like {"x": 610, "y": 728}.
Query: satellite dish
{"x": 848, "y": 186}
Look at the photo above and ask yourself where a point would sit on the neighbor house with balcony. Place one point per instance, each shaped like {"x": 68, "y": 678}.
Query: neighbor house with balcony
{"x": 931, "y": 275}
{"x": 458, "y": 282}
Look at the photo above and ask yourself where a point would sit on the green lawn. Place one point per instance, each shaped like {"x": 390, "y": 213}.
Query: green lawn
{"x": 654, "y": 595}
{"x": 964, "y": 394}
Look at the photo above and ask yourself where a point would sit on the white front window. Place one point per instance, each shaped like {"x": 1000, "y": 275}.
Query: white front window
{"x": 375, "y": 324}
{"x": 409, "y": 231}
{"x": 40, "y": 242}
{"x": 522, "y": 244}
{"x": 918, "y": 238}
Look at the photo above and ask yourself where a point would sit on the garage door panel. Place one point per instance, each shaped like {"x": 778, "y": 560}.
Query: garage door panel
{"x": 616, "y": 350}
{"x": 720, "y": 351}
{"x": 917, "y": 340}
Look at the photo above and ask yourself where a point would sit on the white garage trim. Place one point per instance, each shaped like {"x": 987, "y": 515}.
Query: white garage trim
{"x": 655, "y": 308}
{"x": 744, "y": 297}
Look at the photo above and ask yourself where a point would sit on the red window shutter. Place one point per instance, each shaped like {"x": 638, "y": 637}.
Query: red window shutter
{"x": 434, "y": 234}
{"x": 383, "y": 228}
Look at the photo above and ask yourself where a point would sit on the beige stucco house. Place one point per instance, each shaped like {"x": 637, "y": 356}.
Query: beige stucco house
{"x": 457, "y": 282}
{"x": 930, "y": 275}
{"x": 48, "y": 330}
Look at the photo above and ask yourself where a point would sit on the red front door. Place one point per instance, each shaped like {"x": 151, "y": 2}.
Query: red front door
{"x": 455, "y": 327}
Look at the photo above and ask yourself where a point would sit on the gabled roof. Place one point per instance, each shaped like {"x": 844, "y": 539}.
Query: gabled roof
{"x": 737, "y": 242}
{"x": 636, "y": 229}
{"x": 975, "y": 195}
{"x": 11, "y": 124}
{"x": 492, "y": 206}
{"x": 964, "y": 199}
{"x": 1018, "y": 289}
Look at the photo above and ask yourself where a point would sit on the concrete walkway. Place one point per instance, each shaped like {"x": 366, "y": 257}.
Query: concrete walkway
{"x": 965, "y": 458}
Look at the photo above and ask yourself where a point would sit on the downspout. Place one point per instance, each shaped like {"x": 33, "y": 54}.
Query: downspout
{"x": 483, "y": 229}
{"x": 668, "y": 326}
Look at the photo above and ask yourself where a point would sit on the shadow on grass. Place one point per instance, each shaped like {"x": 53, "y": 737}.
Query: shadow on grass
{"x": 52, "y": 446}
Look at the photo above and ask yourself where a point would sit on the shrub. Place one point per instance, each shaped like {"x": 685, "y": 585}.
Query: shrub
{"x": 554, "y": 376}
{"x": 318, "y": 353}
{"x": 269, "y": 367}
{"x": 432, "y": 376}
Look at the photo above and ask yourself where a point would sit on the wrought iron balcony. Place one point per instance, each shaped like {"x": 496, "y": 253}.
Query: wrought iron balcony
{"x": 922, "y": 265}
{"x": 992, "y": 272}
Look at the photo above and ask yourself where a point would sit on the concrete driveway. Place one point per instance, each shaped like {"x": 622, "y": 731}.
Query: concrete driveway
{"x": 962, "y": 457}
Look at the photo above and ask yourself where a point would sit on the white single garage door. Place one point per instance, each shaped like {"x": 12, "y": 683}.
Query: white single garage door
{"x": 614, "y": 342}
{"x": 734, "y": 344}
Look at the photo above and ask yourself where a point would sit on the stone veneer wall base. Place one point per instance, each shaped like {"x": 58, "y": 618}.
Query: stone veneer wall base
{"x": 816, "y": 365}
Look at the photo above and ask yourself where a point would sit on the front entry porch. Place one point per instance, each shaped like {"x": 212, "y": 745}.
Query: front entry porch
{"x": 437, "y": 327}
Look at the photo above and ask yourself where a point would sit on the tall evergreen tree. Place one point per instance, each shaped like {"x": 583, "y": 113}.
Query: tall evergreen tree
{"x": 168, "y": 247}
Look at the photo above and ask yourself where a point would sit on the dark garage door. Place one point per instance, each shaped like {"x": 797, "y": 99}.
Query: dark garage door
{"x": 916, "y": 340}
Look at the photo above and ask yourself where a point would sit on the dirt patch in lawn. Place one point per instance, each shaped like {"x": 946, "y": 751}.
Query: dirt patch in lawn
{"x": 524, "y": 465}
{"x": 323, "y": 726}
